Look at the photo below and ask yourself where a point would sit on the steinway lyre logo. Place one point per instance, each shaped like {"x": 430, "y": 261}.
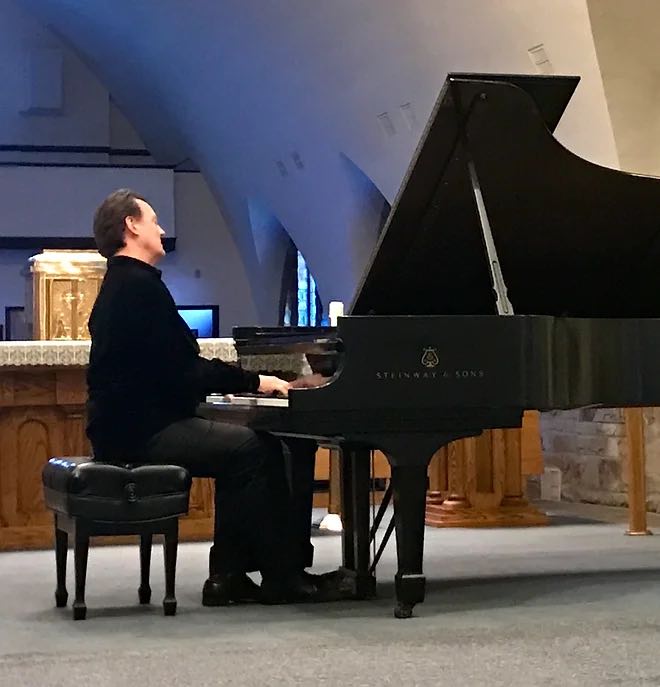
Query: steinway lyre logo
{"x": 430, "y": 358}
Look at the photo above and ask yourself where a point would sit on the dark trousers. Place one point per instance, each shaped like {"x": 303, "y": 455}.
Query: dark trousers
{"x": 263, "y": 494}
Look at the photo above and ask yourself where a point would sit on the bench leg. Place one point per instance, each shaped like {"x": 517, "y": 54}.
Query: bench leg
{"x": 80, "y": 555}
{"x": 61, "y": 548}
{"x": 170, "y": 548}
{"x": 144, "y": 592}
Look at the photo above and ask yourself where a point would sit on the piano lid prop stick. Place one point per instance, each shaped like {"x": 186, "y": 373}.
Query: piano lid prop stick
{"x": 503, "y": 303}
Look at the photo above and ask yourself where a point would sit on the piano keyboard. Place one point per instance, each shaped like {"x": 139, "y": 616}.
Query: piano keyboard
{"x": 219, "y": 399}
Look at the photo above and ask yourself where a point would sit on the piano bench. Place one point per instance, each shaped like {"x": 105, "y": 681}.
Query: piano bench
{"x": 99, "y": 499}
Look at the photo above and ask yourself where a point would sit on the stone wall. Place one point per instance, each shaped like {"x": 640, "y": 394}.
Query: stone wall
{"x": 590, "y": 447}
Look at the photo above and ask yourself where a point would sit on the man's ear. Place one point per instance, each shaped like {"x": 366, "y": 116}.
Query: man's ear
{"x": 129, "y": 225}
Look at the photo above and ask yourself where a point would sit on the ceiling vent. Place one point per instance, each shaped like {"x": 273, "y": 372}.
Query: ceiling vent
{"x": 539, "y": 57}
{"x": 386, "y": 124}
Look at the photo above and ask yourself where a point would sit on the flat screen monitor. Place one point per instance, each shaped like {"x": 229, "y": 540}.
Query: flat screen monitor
{"x": 203, "y": 320}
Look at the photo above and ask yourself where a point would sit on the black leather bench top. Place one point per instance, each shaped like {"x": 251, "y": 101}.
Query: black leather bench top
{"x": 80, "y": 487}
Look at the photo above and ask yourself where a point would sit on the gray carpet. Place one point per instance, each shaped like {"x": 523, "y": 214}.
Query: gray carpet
{"x": 572, "y": 605}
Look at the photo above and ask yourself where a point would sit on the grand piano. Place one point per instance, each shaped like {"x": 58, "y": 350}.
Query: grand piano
{"x": 511, "y": 274}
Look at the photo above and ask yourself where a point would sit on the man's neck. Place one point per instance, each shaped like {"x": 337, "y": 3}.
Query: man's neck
{"x": 137, "y": 254}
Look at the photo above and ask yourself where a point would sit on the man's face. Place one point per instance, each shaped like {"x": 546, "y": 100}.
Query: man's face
{"x": 147, "y": 232}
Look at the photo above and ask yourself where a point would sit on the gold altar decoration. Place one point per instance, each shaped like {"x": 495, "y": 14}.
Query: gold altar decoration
{"x": 61, "y": 292}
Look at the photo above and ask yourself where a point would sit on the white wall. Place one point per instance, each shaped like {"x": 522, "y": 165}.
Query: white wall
{"x": 60, "y": 201}
{"x": 206, "y": 267}
{"x": 122, "y": 133}
{"x": 84, "y": 117}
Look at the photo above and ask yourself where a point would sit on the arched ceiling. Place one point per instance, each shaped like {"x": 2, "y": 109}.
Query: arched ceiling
{"x": 238, "y": 85}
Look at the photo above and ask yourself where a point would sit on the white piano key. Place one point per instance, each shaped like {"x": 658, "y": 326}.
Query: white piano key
{"x": 218, "y": 399}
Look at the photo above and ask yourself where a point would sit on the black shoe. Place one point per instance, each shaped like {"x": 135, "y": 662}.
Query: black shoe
{"x": 229, "y": 588}
{"x": 291, "y": 590}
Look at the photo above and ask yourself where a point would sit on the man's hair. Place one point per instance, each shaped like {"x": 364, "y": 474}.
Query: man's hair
{"x": 109, "y": 220}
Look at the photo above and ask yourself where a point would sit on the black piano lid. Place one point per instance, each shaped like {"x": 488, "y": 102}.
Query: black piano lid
{"x": 573, "y": 238}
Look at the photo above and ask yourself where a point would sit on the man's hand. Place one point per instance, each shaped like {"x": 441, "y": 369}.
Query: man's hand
{"x": 309, "y": 381}
{"x": 273, "y": 385}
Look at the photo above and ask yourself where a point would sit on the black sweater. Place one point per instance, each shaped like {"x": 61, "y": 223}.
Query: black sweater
{"x": 145, "y": 370}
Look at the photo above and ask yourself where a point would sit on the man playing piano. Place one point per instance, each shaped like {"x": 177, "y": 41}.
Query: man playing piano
{"x": 145, "y": 379}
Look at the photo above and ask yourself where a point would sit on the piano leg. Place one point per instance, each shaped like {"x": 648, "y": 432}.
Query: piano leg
{"x": 409, "y": 484}
{"x": 355, "y": 476}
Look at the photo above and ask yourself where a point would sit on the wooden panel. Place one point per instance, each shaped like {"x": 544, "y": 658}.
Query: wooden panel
{"x": 74, "y": 439}
{"x": 21, "y": 538}
{"x": 8, "y": 469}
{"x": 34, "y": 389}
{"x": 34, "y": 438}
{"x": 484, "y": 463}
{"x": 323, "y": 471}
{"x": 28, "y": 438}
{"x": 42, "y": 416}
{"x": 322, "y": 467}
{"x": 438, "y": 479}
{"x": 477, "y": 482}
{"x": 70, "y": 389}
{"x": 201, "y": 499}
{"x": 6, "y": 388}
{"x": 530, "y": 437}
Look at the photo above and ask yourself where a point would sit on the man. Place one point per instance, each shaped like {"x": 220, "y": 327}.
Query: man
{"x": 145, "y": 379}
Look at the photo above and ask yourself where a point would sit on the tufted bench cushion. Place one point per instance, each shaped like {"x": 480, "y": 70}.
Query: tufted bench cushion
{"x": 80, "y": 487}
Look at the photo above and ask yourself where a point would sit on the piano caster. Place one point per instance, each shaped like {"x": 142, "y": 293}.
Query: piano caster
{"x": 409, "y": 591}
{"x": 403, "y": 610}
{"x": 169, "y": 605}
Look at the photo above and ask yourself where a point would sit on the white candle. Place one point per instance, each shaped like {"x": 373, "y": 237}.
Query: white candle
{"x": 335, "y": 310}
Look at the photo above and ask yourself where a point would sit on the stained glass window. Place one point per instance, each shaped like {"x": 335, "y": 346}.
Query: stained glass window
{"x": 303, "y": 306}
